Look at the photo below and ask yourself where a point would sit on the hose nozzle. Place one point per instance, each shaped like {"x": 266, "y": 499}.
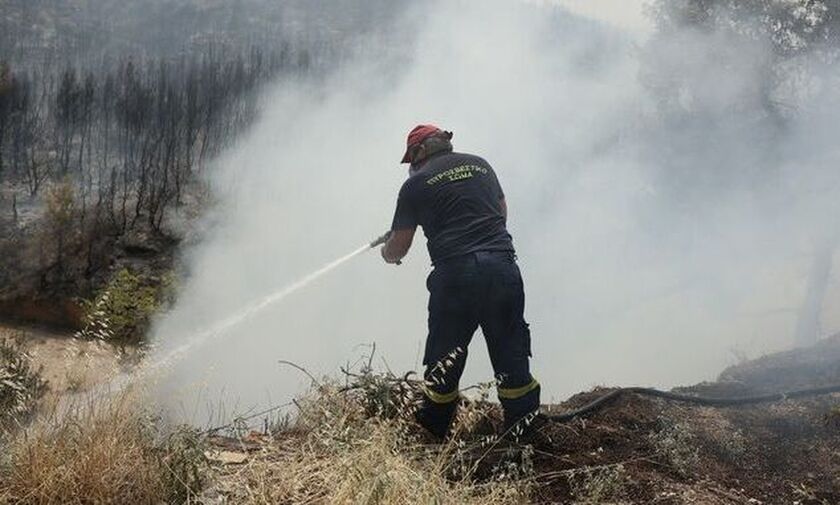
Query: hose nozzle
{"x": 381, "y": 240}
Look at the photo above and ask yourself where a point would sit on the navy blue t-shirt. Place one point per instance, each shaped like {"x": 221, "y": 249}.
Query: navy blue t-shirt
{"x": 456, "y": 199}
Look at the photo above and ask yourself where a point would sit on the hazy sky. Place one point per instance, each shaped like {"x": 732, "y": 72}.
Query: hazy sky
{"x": 624, "y": 13}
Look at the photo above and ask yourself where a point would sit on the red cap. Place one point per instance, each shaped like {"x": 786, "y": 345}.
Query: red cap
{"x": 417, "y": 135}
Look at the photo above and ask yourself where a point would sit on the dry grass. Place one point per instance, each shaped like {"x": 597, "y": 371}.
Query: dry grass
{"x": 338, "y": 453}
{"x": 353, "y": 443}
{"x": 106, "y": 451}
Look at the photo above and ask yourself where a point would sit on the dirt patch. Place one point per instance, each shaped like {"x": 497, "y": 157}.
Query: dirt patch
{"x": 69, "y": 365}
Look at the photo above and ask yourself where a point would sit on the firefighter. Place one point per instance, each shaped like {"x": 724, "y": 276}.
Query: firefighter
{"x": 457, "y": 200}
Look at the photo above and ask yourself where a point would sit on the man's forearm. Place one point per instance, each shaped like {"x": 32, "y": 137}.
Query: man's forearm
{"x": 397, "y": 245}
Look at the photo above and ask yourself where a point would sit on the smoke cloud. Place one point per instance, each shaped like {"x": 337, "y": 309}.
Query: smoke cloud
{"x": 664, "y": 225}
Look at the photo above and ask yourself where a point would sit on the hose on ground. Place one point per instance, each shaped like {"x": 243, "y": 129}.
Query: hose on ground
{"x": 603, "y": 400}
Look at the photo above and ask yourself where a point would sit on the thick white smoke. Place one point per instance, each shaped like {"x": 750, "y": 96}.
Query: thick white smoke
{"x": 649, "y": 255}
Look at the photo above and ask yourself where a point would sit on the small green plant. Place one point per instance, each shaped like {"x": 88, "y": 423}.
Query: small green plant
{"x": 730, "y": 445}
{"x": 121, "y": 312}
{"x": 600, "y": 484}
{"x": 182, "y": 456}
{"x": 677, "y": 444}
{"x": 382, "y": 395}
{"x": 20, "y": 384}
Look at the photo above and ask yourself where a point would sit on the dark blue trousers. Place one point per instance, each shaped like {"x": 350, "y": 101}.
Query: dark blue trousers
{"x": 482, "y": 289}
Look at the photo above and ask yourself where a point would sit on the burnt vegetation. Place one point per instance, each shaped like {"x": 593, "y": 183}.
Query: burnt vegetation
{"x": 109, "y": 114}
{"x": 104, "y": 153}
{"x": 128, "y": 138}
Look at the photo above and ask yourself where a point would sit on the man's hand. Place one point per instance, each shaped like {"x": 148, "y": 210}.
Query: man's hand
{"x": 381, "y": 240}
{"x": 397, "y": 246}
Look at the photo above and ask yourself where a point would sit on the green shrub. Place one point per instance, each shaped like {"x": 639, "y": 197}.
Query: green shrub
{"x": 123, "y": 309}
{"x": 20, "y": 384}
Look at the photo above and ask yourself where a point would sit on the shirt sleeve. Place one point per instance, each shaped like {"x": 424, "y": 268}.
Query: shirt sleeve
{"x": 405, "y": 217}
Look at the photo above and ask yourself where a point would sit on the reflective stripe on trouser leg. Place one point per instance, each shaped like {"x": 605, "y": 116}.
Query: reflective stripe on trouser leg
{"x": 440, "y": 398}
{"x": 519, "y": 402}
{"x": 515, "y": 393}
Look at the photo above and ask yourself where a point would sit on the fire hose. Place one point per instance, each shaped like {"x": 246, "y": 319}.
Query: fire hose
{"x": 606, "y": 398}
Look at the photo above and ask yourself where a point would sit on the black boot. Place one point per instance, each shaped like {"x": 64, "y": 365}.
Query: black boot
{"x": 523, "y": 422}
{"x": 436, "y": 417}
{"x": 517, "y": 410}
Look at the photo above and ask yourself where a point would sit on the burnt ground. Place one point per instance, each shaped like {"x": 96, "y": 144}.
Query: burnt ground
{"x": 643, "y": 450}
{"x": 658, "y": 452}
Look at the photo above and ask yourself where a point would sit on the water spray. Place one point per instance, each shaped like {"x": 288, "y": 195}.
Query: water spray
{"x": 221, "y": 327}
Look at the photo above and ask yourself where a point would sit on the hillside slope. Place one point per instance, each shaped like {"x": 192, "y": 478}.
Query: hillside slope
{"x": 636, "y": 450}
